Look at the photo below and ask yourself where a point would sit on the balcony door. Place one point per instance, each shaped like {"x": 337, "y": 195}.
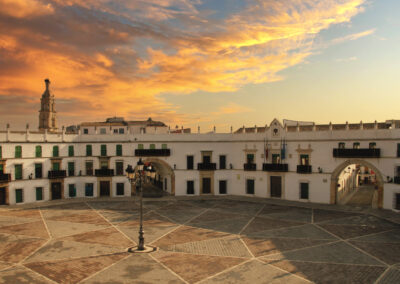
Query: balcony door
{"x": 276, "y": 186}
{"x": 2, "y": 195}
{"x": 56, "y": 190}
{"x": 104, "y": 188}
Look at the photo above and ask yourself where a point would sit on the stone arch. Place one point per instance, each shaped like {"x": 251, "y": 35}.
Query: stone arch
{"x": 165, "y": 168}
{"x": 335, "y": 177}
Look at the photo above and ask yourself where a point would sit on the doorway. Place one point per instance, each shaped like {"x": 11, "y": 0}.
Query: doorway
{"x": 206, "y": 186}
{"x": 56, "y": 190}
{"x": 105, "y": 188}
{"x": 276, "y": 186}
{"x": 2, "y": 196}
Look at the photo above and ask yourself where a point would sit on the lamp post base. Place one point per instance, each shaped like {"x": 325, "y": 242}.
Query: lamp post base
{"x": 147, "y": 249}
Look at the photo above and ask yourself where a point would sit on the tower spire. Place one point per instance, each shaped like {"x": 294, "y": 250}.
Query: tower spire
{"x": 47, "y": 113}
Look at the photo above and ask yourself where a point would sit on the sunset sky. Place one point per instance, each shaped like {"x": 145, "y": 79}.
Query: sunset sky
{"x": 201, "y": 62}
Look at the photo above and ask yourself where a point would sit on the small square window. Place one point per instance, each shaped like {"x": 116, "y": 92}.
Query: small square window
{"x": 85, "y": 131}
{"x": 115, "y": 131}
{"x": 103, "y": 131}
{"x": 121, "y": 131}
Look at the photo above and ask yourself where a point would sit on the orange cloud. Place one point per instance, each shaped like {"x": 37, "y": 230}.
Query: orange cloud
{"x": 118, "y": 58}
{"x": 25, "y": 8}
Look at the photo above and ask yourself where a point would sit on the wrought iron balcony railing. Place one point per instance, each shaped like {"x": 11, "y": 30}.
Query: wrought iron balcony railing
{"x": 250, "y": 166}
{"x": 275, "y": 167}
{"x": 152, "y": 152}
{"x": 104, "y": 172}
{"x": 57, "y": 174}
{"x": 206, "y": 166}
{"x": 304, "y": 169}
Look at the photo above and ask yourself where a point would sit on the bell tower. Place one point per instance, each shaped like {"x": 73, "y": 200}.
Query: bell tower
{"x": 47, "y": 113}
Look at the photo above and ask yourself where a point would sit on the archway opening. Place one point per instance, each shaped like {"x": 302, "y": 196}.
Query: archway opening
{"x": 357, "y": 183}
{"x": 164, "y": 180}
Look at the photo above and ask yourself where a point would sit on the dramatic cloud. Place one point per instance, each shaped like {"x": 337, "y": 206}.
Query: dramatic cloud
{"x": 117, "y": 57}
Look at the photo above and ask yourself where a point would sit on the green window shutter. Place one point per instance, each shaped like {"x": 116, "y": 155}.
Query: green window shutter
{"x": 152, "y": 146}
{"x": 55, "y": 151}
{"x": 71, "y": 168}
{"x": 1, "y": 168}
{"x": 88, "y": 150}
{"x": 39, "y": 193}
{"x": 164, "y": 146}
{"x": 119, "y": 150}
{"x": 70, "y": 151}
{"x": 250, "y": 158}
{"x": 18, "y": 151}
{"x": 56, "y": 166}
{"x": 1, "y": 155}
{"x": 103, "y": 150}
{"x": 38, "y": 151}
{"x": 18, "y": 171}
{"x": 18, "y": 196}
{"x": 140, "y": 146}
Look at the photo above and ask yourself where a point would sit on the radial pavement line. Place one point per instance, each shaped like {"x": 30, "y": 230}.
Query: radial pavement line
{"x": 112, "y": 225}
{"x": 168, "y": 269}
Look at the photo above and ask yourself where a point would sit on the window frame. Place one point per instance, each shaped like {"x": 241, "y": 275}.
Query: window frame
{"x": 38, "y": 151}
{"x": 71, "y": 151}
{"x": 18, "y": 151}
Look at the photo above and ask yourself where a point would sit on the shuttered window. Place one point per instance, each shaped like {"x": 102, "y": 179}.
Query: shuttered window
{"x": 39, "y": 193}
{"x": 119, "y": 150}
{"x": 304, "y": 190}
{"x": 88, "y": 150}
{"x": 19, "y": 196}
{"x": 71, "y": 190}
{"x": 18, "y": 151}
{"x": 18, "y": 172}
{"x": 70, "y": 151}
{"x": 120, "y": 188}
{"x": 71, "y": 169}
{"x": 38, "y": 151}
{"x": 55, "y": 151}
{"x": 103, "y": 150}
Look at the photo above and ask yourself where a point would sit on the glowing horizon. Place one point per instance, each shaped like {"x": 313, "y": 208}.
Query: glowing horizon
{"x": 198, "y": 62}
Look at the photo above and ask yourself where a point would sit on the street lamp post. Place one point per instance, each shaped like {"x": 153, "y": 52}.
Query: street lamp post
{"x": 138, "y": 177}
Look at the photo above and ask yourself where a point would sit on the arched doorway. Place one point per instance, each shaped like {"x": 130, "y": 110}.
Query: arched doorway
{"x": 378, "y": 182}
{"x": 164, "y": 174}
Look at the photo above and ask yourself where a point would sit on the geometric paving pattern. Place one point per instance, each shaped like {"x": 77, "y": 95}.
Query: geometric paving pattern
{"x": 212, "y": 240}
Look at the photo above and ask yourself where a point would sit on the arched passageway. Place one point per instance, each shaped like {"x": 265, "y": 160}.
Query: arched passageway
{"x": 165, "y": 176}
{"x": 372, "y": 182}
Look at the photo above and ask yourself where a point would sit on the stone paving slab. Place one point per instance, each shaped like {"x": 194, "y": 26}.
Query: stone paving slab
{"x": 233, "y": 226}
{"x": 331, "y": 273}
{"x": 56, "y": 250}
{"x": 338, "y": 252}
{"x": 228, "y": 246}
{"x": 307, "y": 231}
{"x": 73, "y": 271}
{"x": 136, "y": 268}
{"x": 194, "y": 268}
{"x": 59, "y": 229}
{"x": 256, "y": 272}
{"x": 390, "y": 277}
{"x": 22, "y": 275}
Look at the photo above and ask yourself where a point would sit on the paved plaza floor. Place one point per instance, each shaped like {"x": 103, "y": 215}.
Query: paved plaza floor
{"x": 214, "y": 240}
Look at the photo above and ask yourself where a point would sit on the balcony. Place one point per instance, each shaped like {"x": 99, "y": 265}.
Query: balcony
{"x": 396, "y": 179}
{"x": 206, "y": 166}
{"x": 356, "y": 153}
{"x": 152, "y": 152}
{"x": 104, "y": 172}
{"x": 275, "y": 167}
{"x": 304, "y": 169}
{"x": 57, "y": 174}
{"x": 250, "y": 166}
{"x": 4, "y": 178}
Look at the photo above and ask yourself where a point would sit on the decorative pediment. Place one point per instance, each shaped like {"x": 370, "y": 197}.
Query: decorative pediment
{"x": 275, "y": 128}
